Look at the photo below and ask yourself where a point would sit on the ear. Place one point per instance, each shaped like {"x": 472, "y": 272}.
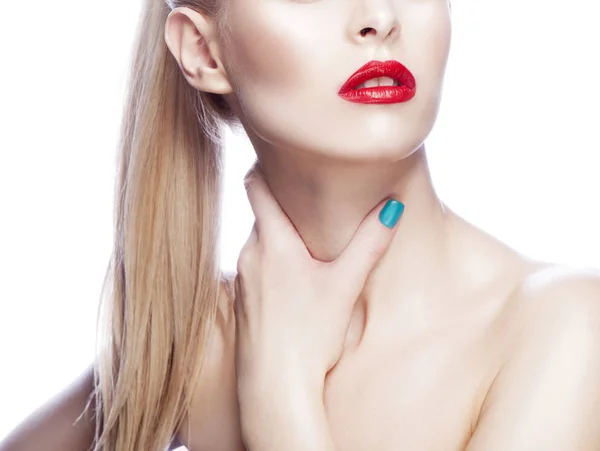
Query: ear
{"x": 191, "y": 38}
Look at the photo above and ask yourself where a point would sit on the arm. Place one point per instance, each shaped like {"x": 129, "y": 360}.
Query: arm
{"x": 52, "y": 428}
{"x": 282, "y": 416}
{"x": 547, "y": 397}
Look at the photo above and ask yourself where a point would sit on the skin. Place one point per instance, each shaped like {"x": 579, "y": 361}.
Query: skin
{"x": 455, "y": 341}
{"x": 461, "y": 349}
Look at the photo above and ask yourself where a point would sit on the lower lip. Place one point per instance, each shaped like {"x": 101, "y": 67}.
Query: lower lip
{"x": 380, "y": 94}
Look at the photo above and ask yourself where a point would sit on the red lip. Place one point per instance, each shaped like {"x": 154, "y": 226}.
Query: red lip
{"x": 381, "y": 94}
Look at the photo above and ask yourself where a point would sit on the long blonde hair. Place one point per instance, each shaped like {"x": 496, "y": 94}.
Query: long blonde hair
{"x": 160, "y": 293}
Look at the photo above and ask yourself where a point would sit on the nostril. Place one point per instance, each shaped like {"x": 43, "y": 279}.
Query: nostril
{"x": 365, "y": 31}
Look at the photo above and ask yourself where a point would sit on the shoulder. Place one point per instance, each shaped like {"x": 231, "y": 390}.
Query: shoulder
{"x": 562, "y": 292}
{"x": 553, "y": 308}
{"x": 213, "y": 420}
{"x": 546, "y": 394}
{"x": 558, "y": 313}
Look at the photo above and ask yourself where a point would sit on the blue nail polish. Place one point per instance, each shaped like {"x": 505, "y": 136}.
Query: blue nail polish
{"x": 390, "y": 214}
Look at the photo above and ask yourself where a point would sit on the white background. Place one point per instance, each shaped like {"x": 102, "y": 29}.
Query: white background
{"x": 516, "y": 151}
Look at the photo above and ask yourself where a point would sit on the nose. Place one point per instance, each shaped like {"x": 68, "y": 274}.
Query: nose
{"x": 374, "y": 21}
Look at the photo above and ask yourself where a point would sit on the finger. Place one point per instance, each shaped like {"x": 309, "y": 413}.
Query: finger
{"x": 271, "y": 220}
{"x": 370, "y": 242}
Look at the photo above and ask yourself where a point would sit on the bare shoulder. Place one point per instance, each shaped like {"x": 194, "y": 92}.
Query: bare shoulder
{"x": 213, "y": 421}
{"x": 558, "y": 311}
{"x": 554, "y": 295}
{"x": 546, "y": 394}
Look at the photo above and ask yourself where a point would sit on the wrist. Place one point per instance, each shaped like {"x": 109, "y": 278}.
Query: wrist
{"x": 278, "y": 390}
{"x": 282, "y": 412}
{"x": 284, "y": 380}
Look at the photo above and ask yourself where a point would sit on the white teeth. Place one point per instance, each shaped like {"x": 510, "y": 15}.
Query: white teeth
{"x": 372, "y": 83}
{"x": 386, "y": 81}
{"x": 381, "y": 81}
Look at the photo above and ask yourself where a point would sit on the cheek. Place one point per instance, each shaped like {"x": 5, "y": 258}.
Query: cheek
{"x": 272, "y": 79}
{"x": 441, "y": 38}
{"x": 267, "y": 55}
{"x": 427, "y": 38}
{"x": 431, "y": 37}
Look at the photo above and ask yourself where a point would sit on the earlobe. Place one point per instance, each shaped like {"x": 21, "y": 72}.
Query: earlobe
{"x": 189, "y": 37}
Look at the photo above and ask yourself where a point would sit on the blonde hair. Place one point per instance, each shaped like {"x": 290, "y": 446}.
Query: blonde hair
{"x": 160, "y": 293}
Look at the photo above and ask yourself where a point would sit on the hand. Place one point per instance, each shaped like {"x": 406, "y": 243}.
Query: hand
{"x": 292, "y": 311}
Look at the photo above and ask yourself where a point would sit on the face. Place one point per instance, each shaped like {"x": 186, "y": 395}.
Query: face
{"x": 289, "y": 58}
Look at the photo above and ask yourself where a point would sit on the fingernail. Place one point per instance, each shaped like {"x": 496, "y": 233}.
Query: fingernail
{"x": 391, "y": 212}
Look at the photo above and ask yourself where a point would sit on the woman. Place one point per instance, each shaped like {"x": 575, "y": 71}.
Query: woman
{"x": 340, "y": 332}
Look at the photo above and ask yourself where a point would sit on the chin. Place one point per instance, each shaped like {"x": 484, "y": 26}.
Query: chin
{"x": 381, "y": 139}
{"x": 364, "y": 149}
{"x": 370, "y": 137}
{"x": 385, "y": 152}
{"x": 385, "y": 144}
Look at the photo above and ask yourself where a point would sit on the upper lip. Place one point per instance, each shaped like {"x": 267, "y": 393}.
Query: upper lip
{"x": 376, "y": 69}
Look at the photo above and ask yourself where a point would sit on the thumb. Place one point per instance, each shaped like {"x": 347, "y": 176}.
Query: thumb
{"x": 370, "y": 241}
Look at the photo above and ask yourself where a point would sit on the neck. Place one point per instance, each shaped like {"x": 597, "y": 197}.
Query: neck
{"x": 326, "y": 201}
